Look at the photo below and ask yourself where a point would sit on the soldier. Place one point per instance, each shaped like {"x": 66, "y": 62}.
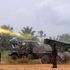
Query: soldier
{"x": 54, "y": 55}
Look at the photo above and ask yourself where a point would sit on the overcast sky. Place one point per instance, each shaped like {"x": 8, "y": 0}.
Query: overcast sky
{"x": 51, "y": 16}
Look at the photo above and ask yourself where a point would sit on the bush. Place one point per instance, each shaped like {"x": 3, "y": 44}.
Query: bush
{"x": 6, "y": 59}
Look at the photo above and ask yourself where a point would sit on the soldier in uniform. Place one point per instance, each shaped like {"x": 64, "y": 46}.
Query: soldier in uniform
{"x": 54, "y": 55}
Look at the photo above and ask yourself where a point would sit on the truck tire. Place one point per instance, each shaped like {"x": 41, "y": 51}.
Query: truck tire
{"x": 45, "y": 59}
{"x": 14, "y": 56}
{"x": 59, "y": 60}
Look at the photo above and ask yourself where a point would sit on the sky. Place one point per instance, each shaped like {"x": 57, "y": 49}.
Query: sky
{"x": 51, "y": 16}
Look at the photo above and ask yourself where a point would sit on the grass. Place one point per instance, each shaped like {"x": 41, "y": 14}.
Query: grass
{"x": 6, "y": 59}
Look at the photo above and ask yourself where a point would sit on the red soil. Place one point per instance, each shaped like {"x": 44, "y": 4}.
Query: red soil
{"x": 34, "y": 67}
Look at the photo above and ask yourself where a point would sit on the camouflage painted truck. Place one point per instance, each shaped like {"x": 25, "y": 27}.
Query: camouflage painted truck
{"x": 43, "y": 51}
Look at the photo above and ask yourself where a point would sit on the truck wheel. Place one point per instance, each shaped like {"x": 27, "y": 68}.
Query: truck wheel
{"x": 45, "y": 59}
{"x": 14, "y": 56}
{"x": 59, "y": 60}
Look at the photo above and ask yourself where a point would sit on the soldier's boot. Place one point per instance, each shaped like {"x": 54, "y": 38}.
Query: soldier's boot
{"x": 54, "y": 66}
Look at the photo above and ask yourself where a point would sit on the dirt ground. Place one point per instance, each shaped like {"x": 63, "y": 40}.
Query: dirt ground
{"x": 34, "y": 67}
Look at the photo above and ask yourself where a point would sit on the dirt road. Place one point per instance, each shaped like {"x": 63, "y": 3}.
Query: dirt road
{"x": 34, "y": 67}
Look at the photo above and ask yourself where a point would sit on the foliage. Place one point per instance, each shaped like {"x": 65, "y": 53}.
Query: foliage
{"x": 27, "y": 36}
{"x": 6, "y": 59}
{"x": 41, "y": 34}
{"x": 27, "y": 30}
{"x": 29, "y": 33}
{"x": 64, "y": 38}
{"x": 6, "y": 27}
{"x": 5, "y": 36}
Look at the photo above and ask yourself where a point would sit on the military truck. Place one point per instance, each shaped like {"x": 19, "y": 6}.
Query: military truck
{"x": 36, "y": 50}
{"x": 29, "y": 48}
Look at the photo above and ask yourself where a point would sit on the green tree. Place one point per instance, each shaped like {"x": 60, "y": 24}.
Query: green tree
{"x": 6, "y": 27}
{"x": 27, "y": 30}
{"x": 42, "y": 35}
{"x": 64, "y": 38}
{"x": 5, "y": 38}
{"x": 29, "y": 33}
